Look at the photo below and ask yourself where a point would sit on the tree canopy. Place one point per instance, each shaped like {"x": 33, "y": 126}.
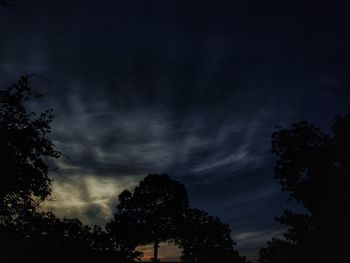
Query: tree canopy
{"x": 152, "y": 211}
{"x": 158, "y": 210}
{"x": 205, "y": 238}
{"x": 24, "y": 149}
{"x": 313, "y": 167}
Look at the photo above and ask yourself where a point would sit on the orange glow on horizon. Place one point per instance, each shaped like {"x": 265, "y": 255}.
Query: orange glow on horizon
{"x": 166, "y": 252}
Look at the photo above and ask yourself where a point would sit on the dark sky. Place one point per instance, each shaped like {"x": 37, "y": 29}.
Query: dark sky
{"x": 189, "y": 88}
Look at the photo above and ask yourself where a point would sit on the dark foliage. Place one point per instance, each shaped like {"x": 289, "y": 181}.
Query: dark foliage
{"x": 204, "y": 238}
{"x": 151, "y": 213}
{"x": 24, "y": 149}
{"x": 158, "y": 211}
{"x": 313, "y": 167}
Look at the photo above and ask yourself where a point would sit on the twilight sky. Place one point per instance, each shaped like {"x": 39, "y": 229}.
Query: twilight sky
{"x": 189, "y": 88}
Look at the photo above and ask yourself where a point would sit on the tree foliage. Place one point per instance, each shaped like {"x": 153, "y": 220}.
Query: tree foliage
{"x": 151, "y": 213}
{"x": 313, "y": 167}
{"x": 158, "y": 210}
{"x": 24, "y": 148}
{"x": 205, "y": 238}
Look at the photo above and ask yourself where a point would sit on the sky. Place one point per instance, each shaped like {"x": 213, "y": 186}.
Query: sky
{"x": 193, "y": 89}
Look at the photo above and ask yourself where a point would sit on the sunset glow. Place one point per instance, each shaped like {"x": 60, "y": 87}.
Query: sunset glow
{"x": 166, "y": 252}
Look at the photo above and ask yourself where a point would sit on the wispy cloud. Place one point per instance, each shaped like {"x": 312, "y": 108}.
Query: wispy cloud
{"x": 90, "y": 198}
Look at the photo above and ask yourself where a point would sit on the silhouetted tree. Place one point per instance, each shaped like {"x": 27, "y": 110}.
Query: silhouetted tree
{"x": 124, "y": 232}
{"x": 151, "y": 213}
{"x": 313, "y": 167}
{"x": 278, "y": 250}
{"x": 24, "y": 148}
{"x": 204, "y": 238}
{"x": 46, "y": 230}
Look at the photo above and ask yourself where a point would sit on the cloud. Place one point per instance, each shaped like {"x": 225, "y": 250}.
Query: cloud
{"x": 89, "y": 198}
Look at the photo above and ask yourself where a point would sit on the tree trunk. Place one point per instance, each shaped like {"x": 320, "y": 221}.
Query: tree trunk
{"x": 156, "y": 245}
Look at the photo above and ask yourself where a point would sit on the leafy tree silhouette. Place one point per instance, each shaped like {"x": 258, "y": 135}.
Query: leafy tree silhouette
{"x": 122, "y": 249}
{"x": 204, "y": 238}
{"x": 24, "y": 148}
{"x": 313, "y": 167}
{"x": 158, "y": 210}
{"x": 151, "y": 213}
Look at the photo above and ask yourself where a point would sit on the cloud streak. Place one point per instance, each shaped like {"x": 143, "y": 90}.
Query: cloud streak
{"x": 84, "y": 196}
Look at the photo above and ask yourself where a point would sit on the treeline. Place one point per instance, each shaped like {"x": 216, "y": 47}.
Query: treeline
{"x": 311, "y": 165}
